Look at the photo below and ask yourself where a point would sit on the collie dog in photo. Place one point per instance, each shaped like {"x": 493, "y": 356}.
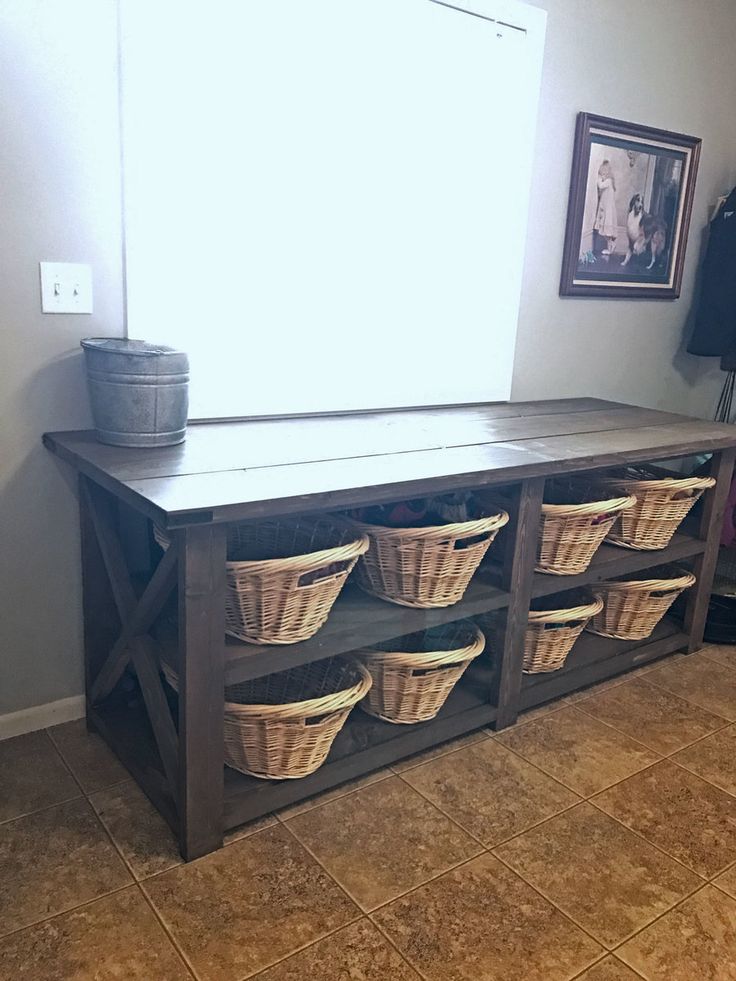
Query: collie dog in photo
{"x": 644, "y": 230}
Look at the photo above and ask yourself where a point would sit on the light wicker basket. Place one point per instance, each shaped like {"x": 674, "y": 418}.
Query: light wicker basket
{"x": 576, "y": 517}
{"x": 282, "y": 726}
{"x": 632, "y": 607}
{"x": 283, "y": 576}
{"x": 424, "y": 567}
{"x": 554, "y": 625}
{"x": 414, "y": 675}
{"x": 662, "y": 504}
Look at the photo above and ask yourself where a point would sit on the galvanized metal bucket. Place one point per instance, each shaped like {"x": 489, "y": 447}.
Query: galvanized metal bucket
{"x": 139, "y": 392}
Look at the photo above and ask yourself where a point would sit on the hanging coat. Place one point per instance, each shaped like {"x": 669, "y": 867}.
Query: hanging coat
{"x": 715, "y": 319}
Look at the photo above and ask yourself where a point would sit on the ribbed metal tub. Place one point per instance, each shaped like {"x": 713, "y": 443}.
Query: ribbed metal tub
{"x": 139, "y": 392}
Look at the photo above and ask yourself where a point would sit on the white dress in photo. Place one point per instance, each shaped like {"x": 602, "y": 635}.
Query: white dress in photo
{"x": 605, "y": 217}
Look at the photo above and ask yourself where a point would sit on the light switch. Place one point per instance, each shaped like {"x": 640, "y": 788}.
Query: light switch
{"x": 66, "y": 287}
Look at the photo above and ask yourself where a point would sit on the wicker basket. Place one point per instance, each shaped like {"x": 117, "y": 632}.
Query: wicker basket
{"x": 413, "y": 675}
{"x": 282, "y": 726}
{"x": 284, "y": 576}
{"x": 424, "y": 567}
{"x": 554, "y": 625}
{"x": 576, "y": 517}
{"x": 662, "y": 503}
{"x": 632, "y": 607}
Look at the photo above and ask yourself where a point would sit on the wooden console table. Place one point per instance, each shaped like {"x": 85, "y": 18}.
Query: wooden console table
{"x": 144, "y": 608}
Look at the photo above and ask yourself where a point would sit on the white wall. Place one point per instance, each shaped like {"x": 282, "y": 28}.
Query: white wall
{"x": 663, "y": 63}
{"x": 60, "y": 189}
{"x": 358, "y": 195}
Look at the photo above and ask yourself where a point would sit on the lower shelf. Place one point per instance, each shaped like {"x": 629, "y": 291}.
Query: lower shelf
{"x": 363, "y": 745}
{"x": 596, "y": 658}
{"x": 367, "y": 744}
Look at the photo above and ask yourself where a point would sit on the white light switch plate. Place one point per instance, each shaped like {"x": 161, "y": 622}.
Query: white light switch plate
{"x": 66, "y": 287}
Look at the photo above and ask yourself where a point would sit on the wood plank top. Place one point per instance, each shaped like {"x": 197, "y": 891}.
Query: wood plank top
{"x": 251, "y": 468}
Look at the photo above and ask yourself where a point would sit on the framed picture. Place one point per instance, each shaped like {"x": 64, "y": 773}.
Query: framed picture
{"x": 631, "y": 194}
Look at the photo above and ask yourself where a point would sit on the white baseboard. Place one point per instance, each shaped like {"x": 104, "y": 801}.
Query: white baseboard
{"x": 41, "y": 716}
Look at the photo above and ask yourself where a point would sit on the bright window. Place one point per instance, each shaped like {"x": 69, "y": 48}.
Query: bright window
{"x": 326, "y": 200}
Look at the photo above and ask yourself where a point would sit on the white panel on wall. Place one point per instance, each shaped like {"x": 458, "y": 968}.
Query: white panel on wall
{"x": 326, "y": 199}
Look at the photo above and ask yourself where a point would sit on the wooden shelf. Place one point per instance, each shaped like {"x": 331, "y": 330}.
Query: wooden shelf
{"x": 611, "y": 561}
{"x": 594, "y": 659}
{"x": 363, "y": 745}
{"x": 355, "y": 621}
{"x": 608, "y": 562}
{"x": 358, "y": 619}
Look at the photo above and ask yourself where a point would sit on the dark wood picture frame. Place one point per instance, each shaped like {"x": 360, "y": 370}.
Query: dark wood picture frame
{"x": 655, "y": 165}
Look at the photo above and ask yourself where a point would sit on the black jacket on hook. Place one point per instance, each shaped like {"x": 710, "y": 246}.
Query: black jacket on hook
{"x": 715, "y": 320}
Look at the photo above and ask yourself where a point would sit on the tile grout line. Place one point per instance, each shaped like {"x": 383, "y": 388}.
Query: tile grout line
{"x": 395, "y": 947}
{"x": 103, "y": 895}
{"x": 574, "y": 791}
{"x": 608, "y": 953}
{"x": 348, "y": 793}
{"x": 711, "y": 657}
{"x": 62, "y": 759}
{"x": 485, "y": 849}
{"x": 41, "y": 810}
{"x": 660, "y": 916}
{"x": 684, "y": 697}
{"x": 326, "y": 871}
{"x": 64, "y": 912}
{"x": 699, "y": 775}
{"x": 484, "y": 735}
{"x": 352, "y": 898}
{"x": 663, "y": 756}
{"x": 633, "y": 739}
{"x": 66, "y": 764}
{"x": 638, "y": 834}
{"x": 485, "y": 845}
{"x": 703, "y": 881}
{"x": 421, "y": 885}
{"x": 88, "y": 793}
{"x": 247, "y": 977}
{"x": 615, "y": 728}
{"x": 141, "y": 892}
{"x": 720, "y": 888}
{"x": 554, "y": 905}
{"x": 700, "y": 739}
{"x": 601, "y": 943}
{"x": 313, "y": 943}
{"x": 300, "y": 950}
{"x": 195, "y": 861}
{"x": 168, "y": 933}
{"x": 444, "y": 813}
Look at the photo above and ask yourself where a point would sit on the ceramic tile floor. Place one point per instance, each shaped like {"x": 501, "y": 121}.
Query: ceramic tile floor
{"x": 594, "y": 840}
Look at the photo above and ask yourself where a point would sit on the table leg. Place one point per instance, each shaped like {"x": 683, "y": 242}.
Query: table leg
{"x": 517, "y": 579}
{"x": 711, "y": 522}
{"x": 202, "y": 554}
{"x": 101, "y": 620}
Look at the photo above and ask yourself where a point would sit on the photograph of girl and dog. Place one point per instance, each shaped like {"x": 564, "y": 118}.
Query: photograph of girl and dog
{"x": 632, "y": 201}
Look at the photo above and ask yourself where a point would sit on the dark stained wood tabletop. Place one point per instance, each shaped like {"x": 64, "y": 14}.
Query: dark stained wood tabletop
{"x": 251, "y": 468}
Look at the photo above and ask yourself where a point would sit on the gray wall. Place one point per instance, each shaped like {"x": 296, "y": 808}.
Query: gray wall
{"x": 60, "y": 192}
{"x": 664, "y": 63}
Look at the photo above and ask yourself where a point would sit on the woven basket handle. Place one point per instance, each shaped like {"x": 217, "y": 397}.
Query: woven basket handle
{"x": 320, "y": 720}
{"x": 330, "y": 571}
{"x": 423, "y": 672}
